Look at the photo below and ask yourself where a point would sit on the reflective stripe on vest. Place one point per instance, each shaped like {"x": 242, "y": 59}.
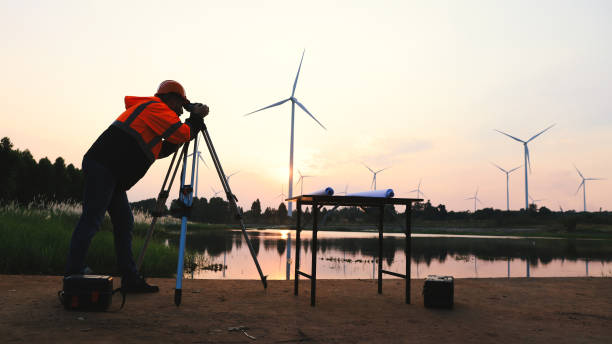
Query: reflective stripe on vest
{"x": 146, "y": 147}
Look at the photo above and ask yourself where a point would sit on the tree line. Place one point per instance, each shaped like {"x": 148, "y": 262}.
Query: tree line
{"x": 23, "y": 179}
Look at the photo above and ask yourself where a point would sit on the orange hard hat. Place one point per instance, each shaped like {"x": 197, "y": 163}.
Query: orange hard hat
{"x": 171, "y": 86}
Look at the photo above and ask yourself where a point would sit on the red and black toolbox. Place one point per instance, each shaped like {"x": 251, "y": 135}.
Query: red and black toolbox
{"x": 87, "y": 292}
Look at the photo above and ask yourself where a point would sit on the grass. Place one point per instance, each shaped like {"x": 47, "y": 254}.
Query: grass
{"x": 34, "y": 239}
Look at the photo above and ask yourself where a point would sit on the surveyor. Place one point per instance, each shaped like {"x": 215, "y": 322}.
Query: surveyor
{"x": 147, "y": 130}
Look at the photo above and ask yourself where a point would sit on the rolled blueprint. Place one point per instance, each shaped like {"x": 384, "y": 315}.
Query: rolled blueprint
{"x": 323, "y": 192}
{"x": 385, "y": 193}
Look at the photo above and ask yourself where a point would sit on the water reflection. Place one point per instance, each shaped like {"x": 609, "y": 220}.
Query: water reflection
{"x": 352, "y": 255}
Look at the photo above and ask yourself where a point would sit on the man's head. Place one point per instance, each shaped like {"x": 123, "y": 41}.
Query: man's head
{"x": 173, "y": 95}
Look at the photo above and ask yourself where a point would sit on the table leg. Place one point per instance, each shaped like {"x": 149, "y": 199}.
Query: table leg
{"x": 380, "y": 247}
{"x": 313, "y": 290}
{"x": 408, "y": 249}
{"x": 298, "y": 229}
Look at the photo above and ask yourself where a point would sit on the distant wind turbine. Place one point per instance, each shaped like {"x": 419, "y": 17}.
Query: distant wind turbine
{"x": 301, "y": 181}
{"x": 215, "y": 192}
{"x": 345, "y": 192}
{"x": 535, "y": 201}
{"x": 418, "y": 191}
{"x": 199, "y": 155}
{"x": 373, "y": 185}
{"x": 527, "y": 160}
{"x": 507, "y": 183}
{"x": 583, "y": 186}
{"x": 282, "y": 194}
{"x": 232, "y": 174}
{"x": 294, "y": 102}
{"x": 475, "y": 198}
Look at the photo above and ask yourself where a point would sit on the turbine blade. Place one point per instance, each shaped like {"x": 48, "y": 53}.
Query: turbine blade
{"x": 494, "y": 164}
{"x": 204, "y": 161}
{"x": 308, "y": 112}
{"x": 386, "y": 169}
{"x": 298, "y": 74}
{"x": 528, "y": 157}
{"x": 514, "y": 169}
{"x": 510, "y": 136}
{"x": 479, "y": 201}
{"x": 595, "y": 178}
{"x": 366, "y": 166}
{"x": 269, "y": 106}
{"x": 541, "y": 132}
{"x": 577, "y": 170}
{"x": 579, "y": 186}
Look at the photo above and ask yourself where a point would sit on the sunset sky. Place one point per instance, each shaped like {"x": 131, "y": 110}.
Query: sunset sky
{"x": 417, "y": 86}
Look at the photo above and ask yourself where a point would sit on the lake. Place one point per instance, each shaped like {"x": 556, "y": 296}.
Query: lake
{"x": 351, "y": 255}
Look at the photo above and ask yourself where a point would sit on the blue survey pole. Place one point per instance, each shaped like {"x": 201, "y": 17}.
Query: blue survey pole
{"x": 186, "y": 198}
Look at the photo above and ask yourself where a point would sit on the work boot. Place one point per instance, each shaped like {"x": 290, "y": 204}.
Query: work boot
{"x": 137, "y": 284}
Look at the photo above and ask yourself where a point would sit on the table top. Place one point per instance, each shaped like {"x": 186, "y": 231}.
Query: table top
{"x": 359, "y": 201}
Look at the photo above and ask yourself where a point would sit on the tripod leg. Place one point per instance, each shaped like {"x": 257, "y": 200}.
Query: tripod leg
{"x": 231, "y": 198}
{"x": 159, "y": 206}
{"x": 186, "y": 197}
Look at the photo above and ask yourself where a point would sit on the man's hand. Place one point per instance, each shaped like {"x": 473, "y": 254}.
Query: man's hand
{"x": 198, "y": 109}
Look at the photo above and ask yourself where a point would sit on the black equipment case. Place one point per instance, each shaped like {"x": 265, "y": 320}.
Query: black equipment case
{"x": 87, "y": 292}
{"x": 438, "y": 291}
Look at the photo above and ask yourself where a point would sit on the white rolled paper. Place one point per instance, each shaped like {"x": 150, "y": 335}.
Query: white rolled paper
{"x": 323, "y": 192}
{"x": 385, "y": 193}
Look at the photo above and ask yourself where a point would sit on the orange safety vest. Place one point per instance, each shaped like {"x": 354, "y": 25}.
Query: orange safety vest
{"x": 149, "y": 121}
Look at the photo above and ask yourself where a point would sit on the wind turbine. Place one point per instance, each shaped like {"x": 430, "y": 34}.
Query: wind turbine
{"x": 294, "y": 102}
{"x": 282, "y": 194}
{"x": 583, "y": 186}
{"x": 228, "y": 177}
{"x": 475, "y": 198}
{"x": 534, "y": 201}
{"x": 507, "y": 184}
{"x": 345, "y": 192}
{"x": 418, "y": 190}
{"x": 527, "y": 160}
{"x": 199, "y": 158}
{"x": 215, "y": 192}
{"x": 301, "y": 180}
{"x": 373, "y": 184}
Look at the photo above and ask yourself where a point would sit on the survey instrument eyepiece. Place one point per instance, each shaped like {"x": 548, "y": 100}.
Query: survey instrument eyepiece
{"x": 198, "y": 109}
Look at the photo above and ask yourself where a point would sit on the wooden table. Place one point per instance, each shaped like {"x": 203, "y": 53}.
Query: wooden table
{"x": 317, "y": 202}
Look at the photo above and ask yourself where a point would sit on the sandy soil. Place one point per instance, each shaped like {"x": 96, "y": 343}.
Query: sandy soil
{"x": 543, "y": 310}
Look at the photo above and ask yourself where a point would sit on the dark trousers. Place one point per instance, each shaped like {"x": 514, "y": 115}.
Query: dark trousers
{"x": 100, "y": 195}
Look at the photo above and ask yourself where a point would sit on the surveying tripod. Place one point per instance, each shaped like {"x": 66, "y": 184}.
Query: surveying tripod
{"x": 186, "y": 201}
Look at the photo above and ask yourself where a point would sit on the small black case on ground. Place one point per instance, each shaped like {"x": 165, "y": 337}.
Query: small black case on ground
{"x": 87, "y": 292}
{"x": 438, "y": 291}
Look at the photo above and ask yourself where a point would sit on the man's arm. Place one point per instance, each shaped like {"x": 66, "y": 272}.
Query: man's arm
{"x": 167, "y": 149}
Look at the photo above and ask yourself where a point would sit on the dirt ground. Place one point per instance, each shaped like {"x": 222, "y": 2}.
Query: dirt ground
{"x": 537, "y": 310}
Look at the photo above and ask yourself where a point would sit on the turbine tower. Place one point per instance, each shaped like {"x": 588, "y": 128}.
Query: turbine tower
{"x": 475, "y": 198}
{"x": 294, "y": 102}
{"x": 373, "y": 184}
{"x": 418, "y": 190}
{"x": 527, "y": 160}
{"x": 301, "y": 181}
{"x": 507, "y": 184}
{"x": 583, "y": 186}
